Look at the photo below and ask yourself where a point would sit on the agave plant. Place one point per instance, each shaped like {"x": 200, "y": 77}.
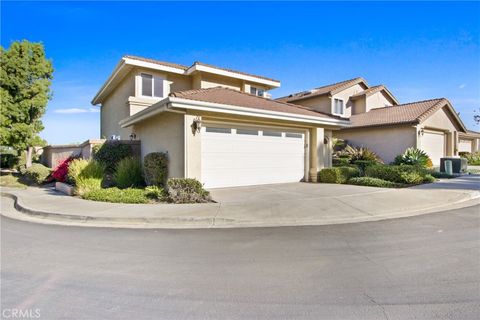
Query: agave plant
{"x": 414, "y": 157}
{"x": 361, "y": 153}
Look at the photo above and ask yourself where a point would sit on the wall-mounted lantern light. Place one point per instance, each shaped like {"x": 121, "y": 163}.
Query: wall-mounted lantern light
{"x": 196, "y": 125}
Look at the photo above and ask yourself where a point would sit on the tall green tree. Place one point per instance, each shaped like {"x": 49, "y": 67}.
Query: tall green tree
{"x": 25, "y": 80}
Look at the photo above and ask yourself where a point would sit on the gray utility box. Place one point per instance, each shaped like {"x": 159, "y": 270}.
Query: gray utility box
{"x": 458, "y": 164}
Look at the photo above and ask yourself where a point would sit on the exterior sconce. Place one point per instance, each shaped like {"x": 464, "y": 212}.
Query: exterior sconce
{"x": 133, "y": 136}
{"x": 421, "y": 132}
{"x": 196, "y": 125}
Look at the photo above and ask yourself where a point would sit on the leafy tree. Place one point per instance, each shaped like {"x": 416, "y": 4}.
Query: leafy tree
{"x": 25, "y": 79}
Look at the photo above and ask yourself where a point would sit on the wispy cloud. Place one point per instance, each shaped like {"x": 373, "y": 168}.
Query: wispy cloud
{"x": 77, "y": 110}
{"x": 463, "y": 85}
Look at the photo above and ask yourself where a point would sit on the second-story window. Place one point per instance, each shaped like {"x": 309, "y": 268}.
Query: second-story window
{"x": 257, "y": 91}
{"x": 338, "y": 106}
{"x": 151, "y": 86}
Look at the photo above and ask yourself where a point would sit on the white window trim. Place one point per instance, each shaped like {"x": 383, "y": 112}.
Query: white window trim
{"x": 138, "y": 86}
{"x": 333, "y": 107}
{"x": 256, "y": 91}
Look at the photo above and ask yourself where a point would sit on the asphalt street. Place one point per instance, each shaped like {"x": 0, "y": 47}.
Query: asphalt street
{"x": 423, "y": 267}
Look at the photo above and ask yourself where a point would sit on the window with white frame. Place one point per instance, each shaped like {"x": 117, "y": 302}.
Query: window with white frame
{"x": 257, "y": 91}
{"x": 151, "y": 86}
{"x": 338, "y": 106}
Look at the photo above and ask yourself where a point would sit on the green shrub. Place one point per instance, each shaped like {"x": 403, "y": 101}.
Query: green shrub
{"x": 129, "y": 195}
{"x": 472, "y": 158}
{"x": 413, "y": 157}
{"x": 186, "y": 191}
{"x": 340, "y": 162}
{"x": 37, "y": 173}
{"x": 429, "y": 178}
{"x": 337, "y": 174}
{"x": 156, "y": 168}
{"x": 8, "y": 160}
{"x": 441, "y": 175}
{"x": 110, "y": 153}
{"x": 155, "y": 193}
{"x": 374, "y": 182}
{"x": 363, "y": 164}
{"x": 129, "y": 173}
{"x": 75, "y": 169}
{"x": 399, "y": 174}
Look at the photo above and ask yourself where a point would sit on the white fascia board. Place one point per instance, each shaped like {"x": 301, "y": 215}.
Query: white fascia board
{"x": 118, "y": 68}
{"x": 202, "y": 68}
{"x": 230, "y": 109}
{"x": 154, "y": 66}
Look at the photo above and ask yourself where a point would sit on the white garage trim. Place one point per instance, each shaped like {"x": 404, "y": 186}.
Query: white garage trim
{"x": 239, "y": 155}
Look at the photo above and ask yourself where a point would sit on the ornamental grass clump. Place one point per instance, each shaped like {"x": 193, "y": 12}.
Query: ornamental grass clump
{"x": 129, "y": 173}
{"x": 87, "y": 176}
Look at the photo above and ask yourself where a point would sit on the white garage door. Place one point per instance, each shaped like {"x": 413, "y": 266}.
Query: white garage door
{"x": 235, "y": 156}
{"x": 433, "y": 143}
{"x": 465, "y": 146}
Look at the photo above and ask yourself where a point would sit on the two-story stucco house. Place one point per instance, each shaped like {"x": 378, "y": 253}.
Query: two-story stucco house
{"x": 217, "y": 125}
{"x": 379, "y": 122}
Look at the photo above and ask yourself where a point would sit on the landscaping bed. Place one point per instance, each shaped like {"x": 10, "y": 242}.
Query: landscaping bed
{"x": 360, "y": 166}
{"x": 114, "y": 175}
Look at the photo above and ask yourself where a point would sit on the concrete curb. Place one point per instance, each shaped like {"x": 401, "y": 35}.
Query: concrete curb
{"x": 26, "y": 213}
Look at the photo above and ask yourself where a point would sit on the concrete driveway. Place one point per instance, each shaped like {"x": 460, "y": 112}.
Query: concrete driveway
{"x": 288, "y": 192}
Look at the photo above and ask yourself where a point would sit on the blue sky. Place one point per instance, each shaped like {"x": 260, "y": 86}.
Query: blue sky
{"x": 419, "y": 50}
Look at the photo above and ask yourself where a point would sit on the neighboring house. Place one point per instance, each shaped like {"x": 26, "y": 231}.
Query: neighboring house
{"x": 379, "y": 122}
{"x": 217, "y": 125}
{"x": 469, "y": 141}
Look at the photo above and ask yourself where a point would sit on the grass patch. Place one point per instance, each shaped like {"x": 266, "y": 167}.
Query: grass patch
{"x": 116, "y": 195}
{"x": 12, "y": 181}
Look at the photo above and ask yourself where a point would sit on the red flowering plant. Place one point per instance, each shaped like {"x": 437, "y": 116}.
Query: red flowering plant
{"x": 61, "y": 170}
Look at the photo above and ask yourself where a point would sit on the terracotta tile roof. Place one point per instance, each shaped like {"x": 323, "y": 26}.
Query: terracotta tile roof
{"x": 369, "y": 91}
{"x": 236, "y": 98}
{"x": 373, "y": 90}
{"x": 179, "y": 66}
{"x": 328, "y": 89}
{"x": 408, "y": 113}
{"x": 234, "y": 71}
{"x": 162, "y": 63}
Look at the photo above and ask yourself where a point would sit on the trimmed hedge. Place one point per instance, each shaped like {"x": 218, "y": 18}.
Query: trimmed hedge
{"x": 340, "y": 162}
{"x": 110, "y": 153}
{"x": 398, "y": 174}
{"x": 337, "y": 174}
{"x": 37, "y": 173}
{"x": 116, "y": 195}
{"x": 185, "y": 190}
{"x": 374, "y": 182}
{"x": 363, "y": 164}
{"x": 129, "y": 173}
{"x": 156, "y": 168}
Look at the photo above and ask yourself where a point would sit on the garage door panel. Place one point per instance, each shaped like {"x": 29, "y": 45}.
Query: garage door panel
{"x": 240, "y": 159}
{"x": 433, "y": 143}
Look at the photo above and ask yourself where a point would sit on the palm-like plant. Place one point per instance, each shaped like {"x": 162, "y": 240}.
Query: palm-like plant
{"x": 361, "y": 153}
{"x": 413, "y": 157}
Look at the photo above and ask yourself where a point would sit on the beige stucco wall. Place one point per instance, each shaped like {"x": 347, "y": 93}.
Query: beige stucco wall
{"x": 378, "y": 100}
{"x": 359, "y": 105}
{"x": 164, "y": 133}
{"x": 387, "y": 142}
{"x": 115, "y": 108}
{"x": 345, "y": 96}
{"x": 443, "y": 121}
{"x": 319, "y": 103}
